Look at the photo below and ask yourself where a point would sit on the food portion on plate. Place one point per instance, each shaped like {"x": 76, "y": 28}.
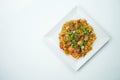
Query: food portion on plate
{"x": 76, "y": 37}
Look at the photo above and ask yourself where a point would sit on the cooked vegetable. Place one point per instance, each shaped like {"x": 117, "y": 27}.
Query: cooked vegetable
{"x": 86, "y": 31}
{"x": 73, "y": 42}
{"x": 76, "y": 37}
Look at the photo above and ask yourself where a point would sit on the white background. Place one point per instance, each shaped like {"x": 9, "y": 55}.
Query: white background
{"x": 24, "y": 56}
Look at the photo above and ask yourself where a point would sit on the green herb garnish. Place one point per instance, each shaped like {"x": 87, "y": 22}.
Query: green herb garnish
{"x": 74, "y": 42}
{"x": 80, "y": 27}
{"x": 86, "y": 31}
{"x": 84, "y": 43}
{"x": 72, "y": 35}
{"x": 69, "y": 33}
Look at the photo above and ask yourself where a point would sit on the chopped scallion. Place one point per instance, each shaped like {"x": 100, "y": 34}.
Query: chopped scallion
{"x": 73, "y": 42}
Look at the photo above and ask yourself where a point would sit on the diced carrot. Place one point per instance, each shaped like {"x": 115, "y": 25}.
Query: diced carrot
{"x": 62, "y": 35}
{"x": 61, "y": 46}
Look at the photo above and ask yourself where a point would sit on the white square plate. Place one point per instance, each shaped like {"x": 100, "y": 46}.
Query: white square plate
{"x": 51, "y": 38}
